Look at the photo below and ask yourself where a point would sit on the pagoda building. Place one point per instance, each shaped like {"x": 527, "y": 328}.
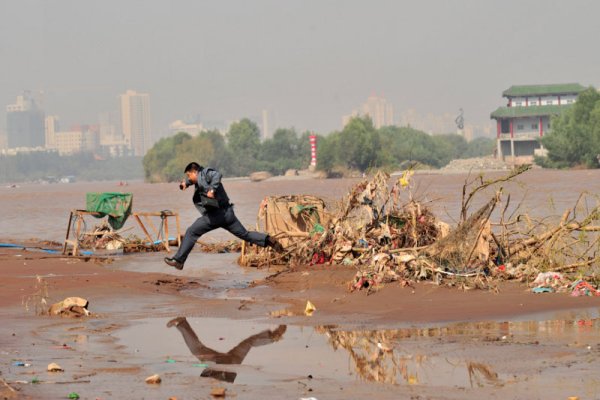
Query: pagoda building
{"x": 526, "y": 118}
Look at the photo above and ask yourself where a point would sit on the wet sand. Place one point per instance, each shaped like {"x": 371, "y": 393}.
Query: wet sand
{"x": 429, "y": 335}
{"x": 422, "y": 342}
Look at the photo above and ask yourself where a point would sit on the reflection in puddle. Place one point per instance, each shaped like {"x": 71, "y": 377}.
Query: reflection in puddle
{"x": 234, "y": 356}
{"x": 378, "y": 356}
{"x": 456, "y": 355}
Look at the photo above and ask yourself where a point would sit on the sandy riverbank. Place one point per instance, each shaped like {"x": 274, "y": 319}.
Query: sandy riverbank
{"x": 100, "y": 362}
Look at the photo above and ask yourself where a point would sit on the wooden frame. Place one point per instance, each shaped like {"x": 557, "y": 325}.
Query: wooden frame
{"x": 75, "y": 243}
{"x": 162, "y": 233}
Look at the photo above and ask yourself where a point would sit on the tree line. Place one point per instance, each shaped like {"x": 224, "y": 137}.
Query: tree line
{"x": 357, "y": 147}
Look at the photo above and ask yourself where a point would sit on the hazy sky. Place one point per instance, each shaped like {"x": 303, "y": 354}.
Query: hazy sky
{"x": 307, "y": 62}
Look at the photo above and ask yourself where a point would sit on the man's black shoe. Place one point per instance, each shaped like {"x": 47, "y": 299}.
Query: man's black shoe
{"x": 174, "y": 263}
{"x": 176, "y": 321}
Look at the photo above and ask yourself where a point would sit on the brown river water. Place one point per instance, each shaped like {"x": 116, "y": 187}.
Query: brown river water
{"x": 41, "y": 210}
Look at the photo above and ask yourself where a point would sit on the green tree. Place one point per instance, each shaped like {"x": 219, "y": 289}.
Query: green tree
{"x": 405, "y": 144}
{"x": 156, "y": 159}
{"x": 282, "y": 152}
{"x": 221, "y": 157}
{"x": 243, "y": 141}
{"x": 575, "y": 135}
{"x": 359, "y": 145}
{"x": 448, "y": 147}
{"x": 327, "y": 151}
{"x": 479, "y": 147}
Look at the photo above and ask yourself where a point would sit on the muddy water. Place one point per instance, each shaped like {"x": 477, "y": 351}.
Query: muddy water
{"x": 41, "y": 211}
{"x": 491, "y": 354}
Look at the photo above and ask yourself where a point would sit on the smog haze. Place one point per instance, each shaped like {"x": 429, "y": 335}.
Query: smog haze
{"x": 307, "y": 62}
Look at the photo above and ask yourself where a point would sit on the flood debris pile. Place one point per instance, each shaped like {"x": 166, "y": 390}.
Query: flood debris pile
{"x": 295, "y": 221}
{"x": 230, "y": 246}
{"x": 102, "y": 238}
{"x": 389, "y": 236}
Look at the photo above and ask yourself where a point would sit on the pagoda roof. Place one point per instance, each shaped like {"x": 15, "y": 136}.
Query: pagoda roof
{"x": 531, "y": 111}
{"x": 542, "y": 90}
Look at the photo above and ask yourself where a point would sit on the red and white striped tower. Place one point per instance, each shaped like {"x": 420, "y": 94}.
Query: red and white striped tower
{"x": 313, "y": 152}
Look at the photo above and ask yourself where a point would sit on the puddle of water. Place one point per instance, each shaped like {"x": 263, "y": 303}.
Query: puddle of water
{"x": 250, "y": 352}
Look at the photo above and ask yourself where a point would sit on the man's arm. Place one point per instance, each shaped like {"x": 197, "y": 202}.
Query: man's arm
{"x": 213, "y": 178}
{"x": 184, "y": 184}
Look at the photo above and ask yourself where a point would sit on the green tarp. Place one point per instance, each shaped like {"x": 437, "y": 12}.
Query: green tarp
{"x": 116, "y": 205}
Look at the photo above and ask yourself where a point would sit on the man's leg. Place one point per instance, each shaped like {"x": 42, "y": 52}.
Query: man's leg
{"x": 239, "y": 352}
{"x": 197, "y": 229}
{"x": 233, "y": 225}
{"x": 196, "y": 347}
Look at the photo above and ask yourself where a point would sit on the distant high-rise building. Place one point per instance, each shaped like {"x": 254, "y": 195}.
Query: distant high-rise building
{"x": 25, "y": 123}
{"x": 3, "y": 144}
{"x": 192, "y": 129}
{"x": 135, "y": 121}
{"x": 377, "y": 108}
{"x": 265, "y": 125}
{"x": 51, "y": 127}
{"x": 433, "y": 124}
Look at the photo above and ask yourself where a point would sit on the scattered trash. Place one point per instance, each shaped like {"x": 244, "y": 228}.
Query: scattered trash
{"x": 310, "y": 308}
{"x": 218, "y": 392}
{"x": 170, "y": 361}
{"x": 53, "y": 367}
{"x": 70, "y": 307}
{"x": 542, "y": 289}
{"x": 21, "y": 364}
{"x": 73, "y": 395}
{"x": 546, "y": 278}
{"x": 35, "y": 379}
{"x": 200, "y": 365}
{"x": 281, "y": 313}
{"x": 154, "y": 379}
{"x": 583, "y": 288}
{"x": 385, "y": 347}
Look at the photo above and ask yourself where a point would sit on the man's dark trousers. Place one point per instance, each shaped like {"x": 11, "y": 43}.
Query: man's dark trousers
{"x": 220, "y": 218}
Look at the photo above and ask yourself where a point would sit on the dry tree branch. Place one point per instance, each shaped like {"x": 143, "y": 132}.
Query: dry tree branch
{"x": 485, "y": 184}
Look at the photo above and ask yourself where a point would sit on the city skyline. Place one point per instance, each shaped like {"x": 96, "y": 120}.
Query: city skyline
{"x": 307, "y": 62}
{"x": 132, "y": 134}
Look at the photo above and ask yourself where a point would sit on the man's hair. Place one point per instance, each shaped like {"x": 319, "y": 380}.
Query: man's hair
{"x": 193, "y": 166}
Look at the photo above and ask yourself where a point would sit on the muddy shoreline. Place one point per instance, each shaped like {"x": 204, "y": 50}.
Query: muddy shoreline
{"x": 474, "y": 327}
